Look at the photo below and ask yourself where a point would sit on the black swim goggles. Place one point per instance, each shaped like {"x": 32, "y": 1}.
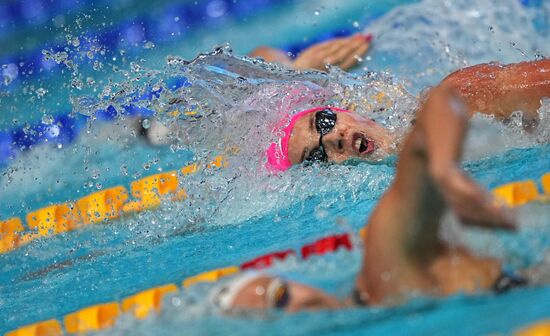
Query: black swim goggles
{"x": 325, "y": 120}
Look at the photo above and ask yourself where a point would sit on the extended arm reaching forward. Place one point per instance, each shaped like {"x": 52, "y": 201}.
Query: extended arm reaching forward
{"x": 502, "y": 89}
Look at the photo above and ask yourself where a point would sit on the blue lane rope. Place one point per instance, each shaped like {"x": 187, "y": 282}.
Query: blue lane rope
{"x": 149, "y": 27}
{"x": 66, "y": 127}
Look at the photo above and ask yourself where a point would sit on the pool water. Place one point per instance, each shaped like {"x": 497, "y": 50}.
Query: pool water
{"x": 235, "y": 216}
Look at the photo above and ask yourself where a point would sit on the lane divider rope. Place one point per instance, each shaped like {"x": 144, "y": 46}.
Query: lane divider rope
{"x": 141, "y": 304}
{"x": 99, "y": 207}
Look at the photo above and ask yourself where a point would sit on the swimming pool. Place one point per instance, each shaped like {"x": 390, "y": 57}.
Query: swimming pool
{"x": 229, "y": 223}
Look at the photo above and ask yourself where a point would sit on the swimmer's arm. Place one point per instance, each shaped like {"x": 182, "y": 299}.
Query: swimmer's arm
{"x": 502, "y": 89}
{"x": 272, "y": 55}
{"x": 403, "y": 230}
{"x": 443, "y": 123}
{"x": 344, "y": 52}
{"x": 429, "y": 178}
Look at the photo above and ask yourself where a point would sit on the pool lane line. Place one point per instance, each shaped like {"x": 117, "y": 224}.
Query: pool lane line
{"x": 140, "y": 305}
{"x": 540, "y": 328}
{"x": 519, "y": 193}
{"x": 149, "y": 193}
{"x": 100, "y": 207}
{"x": 66, "y": 127}
{"x": 104, "y": 315}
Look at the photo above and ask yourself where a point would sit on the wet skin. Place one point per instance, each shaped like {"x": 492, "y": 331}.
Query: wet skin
{"x": 353, "y": 136}
{"x": 301, "y": 297}
{"x": 492, "y": 89}
{"x": 404, "y": 254}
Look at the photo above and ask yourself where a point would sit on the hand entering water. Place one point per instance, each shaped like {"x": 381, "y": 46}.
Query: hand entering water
{"x": 344, "y": 52}
{"x": 473, "y": 204}
{"x": 341, "y": 52}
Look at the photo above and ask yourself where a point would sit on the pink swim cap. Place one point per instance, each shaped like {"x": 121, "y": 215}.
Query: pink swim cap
{"x": 277, "y": 153}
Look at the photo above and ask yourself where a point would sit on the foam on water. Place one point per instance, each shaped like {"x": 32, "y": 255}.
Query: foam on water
{"x": 488, "y": 136}
{"x": 424, "y": 42}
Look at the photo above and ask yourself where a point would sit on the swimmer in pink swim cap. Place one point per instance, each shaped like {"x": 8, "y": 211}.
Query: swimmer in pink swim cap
{"x": 404, "y": 252}
{"x": 324, "y": 133}
{"x": 330, "y": 134}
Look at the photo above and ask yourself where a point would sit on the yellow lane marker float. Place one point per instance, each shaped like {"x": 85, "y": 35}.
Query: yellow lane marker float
{"x": 93, "y": 318}
{"x": 11, "y": 231}
{"x": 517, "y": 193}
{"x": 545, "y": 181}
{"x": 143, "y": 303}
{"x": 44, "y": 328}
{"x": 102, "y": 205}
{"x": 53, "y": 219}
{"x": 99, "y": 207}
{"x": 541, "y": 328}
{"x": 210, "y": 276}
{"x": 150, "y": 191}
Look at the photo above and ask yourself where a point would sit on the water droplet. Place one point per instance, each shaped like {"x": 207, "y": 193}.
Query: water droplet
{"x": 77, "y": 84}
{"x": 316, "y": 13}
{"x": 47, "y": 119}
{"x": 146, "y": 123}
{"x": 124, "y": 170}
{"x": 148, "y": 45}
{"x": 355, "y": 24}
{"x": 135, "y": 67}
{"x": 40, "y": 92}
{"x": 95, "y": 174}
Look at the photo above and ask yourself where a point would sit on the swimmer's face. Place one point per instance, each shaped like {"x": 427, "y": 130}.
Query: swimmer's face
{"x": 352, "y": 136}
{"x": 300, "y": 297}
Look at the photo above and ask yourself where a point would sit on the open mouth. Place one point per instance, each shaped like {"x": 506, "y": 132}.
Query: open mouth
{"x": 362, "y": 144}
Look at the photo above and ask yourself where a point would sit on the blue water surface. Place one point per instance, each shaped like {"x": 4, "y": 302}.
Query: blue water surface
{"x": 58, "y": 275}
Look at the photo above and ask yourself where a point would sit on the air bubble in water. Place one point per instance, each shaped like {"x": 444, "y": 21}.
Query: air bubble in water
{"x": 316, "y": 13}
{"x": 355, "y": 24}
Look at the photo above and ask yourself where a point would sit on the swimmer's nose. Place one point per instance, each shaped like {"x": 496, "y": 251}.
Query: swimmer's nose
{"x": 335, "y": 141}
